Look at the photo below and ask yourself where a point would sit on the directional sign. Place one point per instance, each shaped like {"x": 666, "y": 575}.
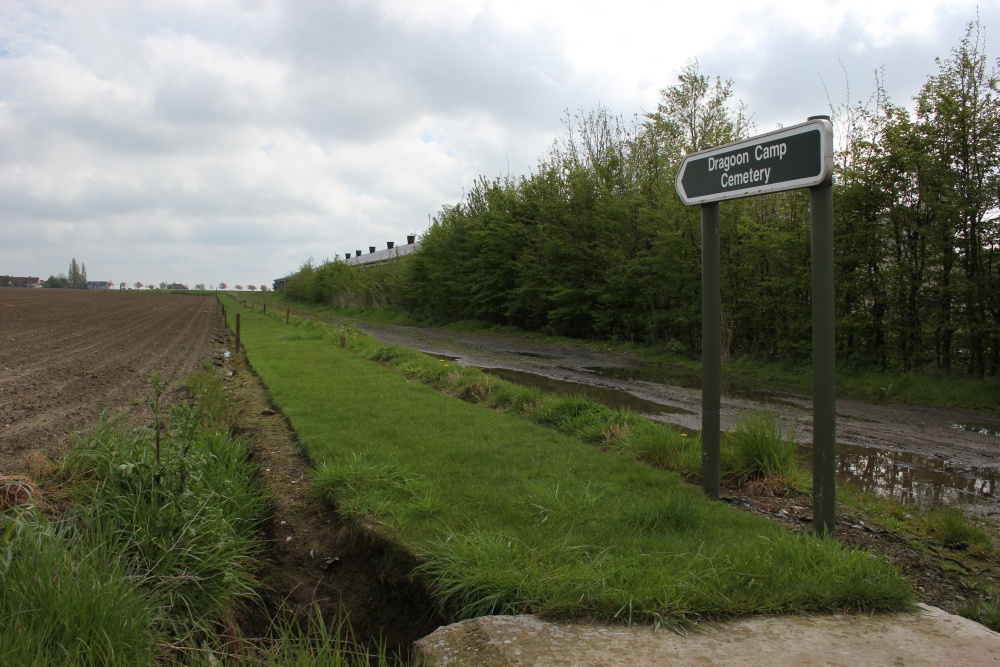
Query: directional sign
{"x": 800, "y": 156}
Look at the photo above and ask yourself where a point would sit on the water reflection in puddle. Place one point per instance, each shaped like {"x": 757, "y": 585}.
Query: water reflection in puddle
{"x": 975, "y": 427}
{"x": 907, "y": 477}
{"x": 612, "y": 398}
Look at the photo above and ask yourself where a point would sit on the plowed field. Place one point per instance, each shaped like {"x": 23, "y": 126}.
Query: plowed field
{"x": 66, "y": 355}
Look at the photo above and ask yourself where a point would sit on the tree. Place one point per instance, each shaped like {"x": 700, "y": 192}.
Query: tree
{"x": 958, "y": 118}
{"x": 239, "y": 287}
{"x": 223, "y": 285}
{"x": 138, "y": 285}
{"x": 252, "y": 288}
{"x": 77, "y": 278}
{"x": 57, "y": 281}
{"x": 200, "y": 286}
{"x": 696, "y": 113}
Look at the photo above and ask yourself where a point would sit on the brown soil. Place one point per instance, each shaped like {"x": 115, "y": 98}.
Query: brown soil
{"x": 66, "y": 355}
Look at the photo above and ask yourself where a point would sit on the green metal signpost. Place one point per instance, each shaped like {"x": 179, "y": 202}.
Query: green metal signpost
{"x": 795, "y": 157}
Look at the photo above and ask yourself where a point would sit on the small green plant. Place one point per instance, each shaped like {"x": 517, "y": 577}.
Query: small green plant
{"x": 760, "y": 452}
{"x": 385, "y": 354}
{"x": 667, "y": 447}
{"x": 955, "y": 530}
{"x": 984, "y": 609}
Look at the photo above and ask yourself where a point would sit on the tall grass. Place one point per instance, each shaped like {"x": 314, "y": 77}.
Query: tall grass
{"x": 67, "y": 601}
{"x": 668, "y": 448}
{"x": 760, "y": 451}
{"x": 186, "y": 523}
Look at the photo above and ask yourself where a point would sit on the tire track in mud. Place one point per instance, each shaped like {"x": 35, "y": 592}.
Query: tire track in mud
{"x": 67, "y": 355}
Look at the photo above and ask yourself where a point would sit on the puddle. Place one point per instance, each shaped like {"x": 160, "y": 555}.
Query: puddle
{"x": 908, "y": 478}
{"x": 984, "y": 429}
{"x": 659, "y": 374}
{"x": 612, "y": 398}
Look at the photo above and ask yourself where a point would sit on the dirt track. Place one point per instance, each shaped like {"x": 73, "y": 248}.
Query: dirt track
{"x": 65, "y": 355}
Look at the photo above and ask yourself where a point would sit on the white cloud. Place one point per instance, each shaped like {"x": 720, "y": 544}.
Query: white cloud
{"x": 231, "y": 140}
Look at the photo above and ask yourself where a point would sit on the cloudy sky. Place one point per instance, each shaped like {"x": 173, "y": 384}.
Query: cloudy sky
{"x": 229, "y": 141}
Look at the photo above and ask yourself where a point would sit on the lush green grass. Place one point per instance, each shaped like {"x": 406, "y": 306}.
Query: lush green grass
{"x": 66, "y": 601}
{"x": 508, "y": 516}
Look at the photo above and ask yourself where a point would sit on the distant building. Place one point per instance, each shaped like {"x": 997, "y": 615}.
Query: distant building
{"x": 100, "y": 284}
{"x": 176, "y": 286}
{"x": 19, "y": 281}
{"x": 391, "y": 251}
{"x": 373, "y": 256}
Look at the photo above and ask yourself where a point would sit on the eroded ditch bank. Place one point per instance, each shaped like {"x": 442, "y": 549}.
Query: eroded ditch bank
{"x": 910, "y": 453}
{"x": 315, "y": 559}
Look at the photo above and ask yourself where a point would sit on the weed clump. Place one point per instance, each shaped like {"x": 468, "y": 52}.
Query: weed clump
{"x": 761, "y": 455}
{"x": 667, "y": 447}
{"x": 952, "y": 528}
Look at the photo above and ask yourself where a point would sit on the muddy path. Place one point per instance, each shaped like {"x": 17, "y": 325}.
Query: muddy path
{"x": 955, "y": 441}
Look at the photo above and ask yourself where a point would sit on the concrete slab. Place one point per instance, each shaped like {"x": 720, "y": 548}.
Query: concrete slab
{"x": 930, "y": 638}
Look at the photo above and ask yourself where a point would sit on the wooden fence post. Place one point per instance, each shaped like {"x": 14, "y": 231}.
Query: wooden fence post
{"x": 237, "y": 333}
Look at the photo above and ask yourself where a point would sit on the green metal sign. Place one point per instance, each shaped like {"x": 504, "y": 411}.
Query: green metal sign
{"x": 795, "y": 157}
{"x": 800, "y": 156}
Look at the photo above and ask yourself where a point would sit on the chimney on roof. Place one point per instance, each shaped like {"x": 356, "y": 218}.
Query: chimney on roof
{"x": 389, "y": 244}
{"x": 357, "y": 253}
{"x": 410, "y": 239}
{"x": 371, "y": 248}
{"x": 347, "y": 255}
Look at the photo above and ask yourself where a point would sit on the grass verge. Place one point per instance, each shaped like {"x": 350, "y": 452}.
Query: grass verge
{"x": 148, "y": 551}
{"x": 507, "y": 516}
